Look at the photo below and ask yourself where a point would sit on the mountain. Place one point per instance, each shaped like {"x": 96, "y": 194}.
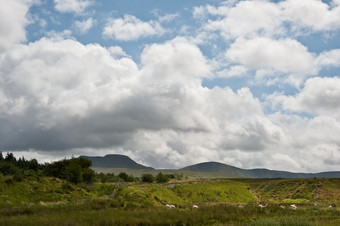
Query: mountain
{"x": 217, "y": 167}
{"x": 114, "y": 161}
{"x": 123, "y": 161}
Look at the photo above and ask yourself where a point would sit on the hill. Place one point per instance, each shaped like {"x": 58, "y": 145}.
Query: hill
{"x": 119, "y": 163}
{"x": 254, "y": 173}
{"x": 31, "y": 200}
{"x": 114, "y": 161}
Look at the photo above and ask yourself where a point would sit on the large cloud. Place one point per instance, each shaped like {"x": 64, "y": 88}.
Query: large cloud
{"x": 12, "y": 23}
{"x": 265, "y": 41}
{"x": 319, "y": 96}
{"x": 270, "y": 18}
{"x": 62, "y": 95}
{"x": 314, "y": 14}
{"x": 59, "y": 97}
{"x": 286, "y": 55}
{"x": 50, "y": 83}
{"x": 247, "y": 18}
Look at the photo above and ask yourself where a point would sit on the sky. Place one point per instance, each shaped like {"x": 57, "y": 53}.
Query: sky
{"x": 253, "y": 83}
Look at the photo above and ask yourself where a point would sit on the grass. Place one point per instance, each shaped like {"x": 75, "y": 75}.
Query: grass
{"x": 222, "y": 191}
{"x": 185, "y": 173}
{"x": 219, "y": 214}
{"x": 297, "y": 190}
{"x": 28, "y": 191}
{"x": 47, "y": 201}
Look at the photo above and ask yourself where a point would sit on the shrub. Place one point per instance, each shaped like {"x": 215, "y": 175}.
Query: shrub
{"x": 123, "y": 176}
{"x": 148, "y": 178}
{"x": 162, "y": 178}
{"x": 75, "y": 170}
{"x": 7, "y": 168}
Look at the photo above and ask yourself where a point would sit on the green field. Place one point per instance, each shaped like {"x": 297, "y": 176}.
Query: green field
{"x": 48, "y": 201}
{"x": 185, "y": 173}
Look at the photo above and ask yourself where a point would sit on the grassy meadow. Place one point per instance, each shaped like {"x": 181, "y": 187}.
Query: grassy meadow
{"x": 48, "y": 201}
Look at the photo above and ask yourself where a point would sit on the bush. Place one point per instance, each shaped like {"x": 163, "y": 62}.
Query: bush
{"x": 17, "y": 178}
{"x": 123, "y": 176}
{"x": 75, "y": 170}
{"x": 73, "y": 173}
{"x": 7, "y": 168}
{"x": 148, "y": 178}
{"x": 88, "y": 175}
{"x": 162, "y": 178}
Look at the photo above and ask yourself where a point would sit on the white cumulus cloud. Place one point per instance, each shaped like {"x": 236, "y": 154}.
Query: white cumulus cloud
{"x": 247, "y": 18}
{"x": 85, "y": 25}
{"x": 314, "y": 14}
{"x": 131, "y": 28}
{"x": 285, "y": 55}
{"x": 12, "y": 23}
{"x": 319, "y": 96}
{"x": 72, "y": 6}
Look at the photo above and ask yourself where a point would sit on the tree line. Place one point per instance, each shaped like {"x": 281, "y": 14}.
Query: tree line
{"x": 75, "y": 170}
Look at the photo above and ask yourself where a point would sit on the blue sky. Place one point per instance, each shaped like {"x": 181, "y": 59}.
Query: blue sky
{"x": 171, "y": 83}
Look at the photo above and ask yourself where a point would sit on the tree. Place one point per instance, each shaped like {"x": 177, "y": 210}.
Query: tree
{"x": 179, "y": 176}
{"x": 88, "y": 175}
{"x": 73, "y": 173}
{"x": 33, "y": 165}
{"x": 148, "y": 178}
{"x": 8, "y": 168}
{"x": 75, "y": 170}
{"x": 162, "y": 178}
{"x": 10, "y": 158}
{"x": 123, "y": 176}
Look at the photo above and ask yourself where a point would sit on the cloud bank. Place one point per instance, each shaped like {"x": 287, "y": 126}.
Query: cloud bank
{"x": 60, "y": 96}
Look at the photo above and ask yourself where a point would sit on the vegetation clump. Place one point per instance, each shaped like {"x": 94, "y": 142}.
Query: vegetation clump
{"x": 75, "y": 170}
{"x": 148, "y": 178}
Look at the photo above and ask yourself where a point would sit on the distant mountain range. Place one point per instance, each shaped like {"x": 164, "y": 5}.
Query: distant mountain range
{"x": 123, "y": 161}
{"x": 255, "y": 173}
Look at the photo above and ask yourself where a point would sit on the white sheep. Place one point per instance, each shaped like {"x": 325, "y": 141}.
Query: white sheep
{"x": 262, "y": 206}
{"x": 293, "y": 207}
{"x": 170, "y": 206}
{"x": 195, "y": 206}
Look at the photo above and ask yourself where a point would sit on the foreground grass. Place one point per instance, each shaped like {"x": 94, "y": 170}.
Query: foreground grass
{"x": 103, "y": 213}
{"x": 48, "y": 201}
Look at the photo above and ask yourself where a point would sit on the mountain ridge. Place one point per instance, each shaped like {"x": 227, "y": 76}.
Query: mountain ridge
{"x": 114, "y": 161}
{"x": 255, "y": 173}
{"x": 123, "y": 161}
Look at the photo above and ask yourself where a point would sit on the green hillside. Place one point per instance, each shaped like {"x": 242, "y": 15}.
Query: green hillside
{"x": 18, "y": 191}
{"x": 49, "y": 201}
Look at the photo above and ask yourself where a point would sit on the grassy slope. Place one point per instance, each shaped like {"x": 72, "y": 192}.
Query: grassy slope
{"x": 34, "y": 191}
{"x": 187, "y": 193}
{"x": 297, "y": 190}
{"x": 135, "y": 203}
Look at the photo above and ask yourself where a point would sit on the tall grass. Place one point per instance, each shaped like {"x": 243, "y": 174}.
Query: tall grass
{"x": 46, "y": 201}
{"x": 110, "y": 212}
